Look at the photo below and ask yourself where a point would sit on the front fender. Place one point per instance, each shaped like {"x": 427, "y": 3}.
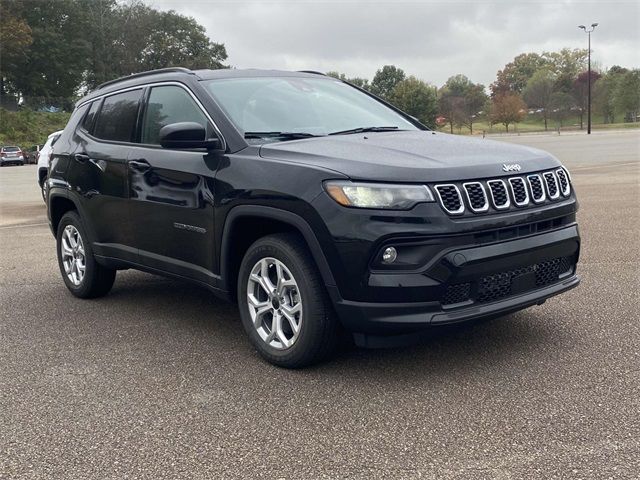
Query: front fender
{"x": 285, "y": 216}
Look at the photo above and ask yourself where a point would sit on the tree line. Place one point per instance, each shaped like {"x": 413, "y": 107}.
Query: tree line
{"x": 53, "y": 51}
{"x": 551, "y": 86}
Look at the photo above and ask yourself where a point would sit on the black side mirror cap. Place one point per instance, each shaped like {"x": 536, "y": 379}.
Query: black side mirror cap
{"x": 183, "y": 135}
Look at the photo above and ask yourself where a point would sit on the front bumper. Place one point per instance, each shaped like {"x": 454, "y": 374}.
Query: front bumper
{"x": 469, "y": 282}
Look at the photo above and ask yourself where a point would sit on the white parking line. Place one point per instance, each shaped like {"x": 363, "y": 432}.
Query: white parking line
{"x": 23, "y": 226}
{"x": 575, "y": 169}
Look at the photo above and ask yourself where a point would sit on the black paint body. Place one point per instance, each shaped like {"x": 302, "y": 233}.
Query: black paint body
{"x": 174, "y": 212}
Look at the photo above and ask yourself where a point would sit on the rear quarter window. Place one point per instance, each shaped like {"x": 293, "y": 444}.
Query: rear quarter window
{"x": 87, "y": 122}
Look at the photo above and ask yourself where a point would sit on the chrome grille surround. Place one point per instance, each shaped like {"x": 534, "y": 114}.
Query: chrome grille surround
{"x": 519, "y": 180}
{"x": 563, "y": 182}
{"x": 551, "y": 182}
{"x": 543, "y": 195}
{"x": 458, "y": 211}
{"x": 505, "y": 205}
{"x": 503, "y": 193}
{"x": 485, "y": 206}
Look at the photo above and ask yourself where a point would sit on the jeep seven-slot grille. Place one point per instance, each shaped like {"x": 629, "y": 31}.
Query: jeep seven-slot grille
{"x": 503, "y": 284}
{"x": 493, "y": 195}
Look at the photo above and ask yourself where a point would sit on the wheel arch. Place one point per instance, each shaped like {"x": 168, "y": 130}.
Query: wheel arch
{"x": 59, "y": 204}
{"x": 266, "y": 220}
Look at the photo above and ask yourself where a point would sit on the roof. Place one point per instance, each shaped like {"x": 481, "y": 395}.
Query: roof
{"x": 176, "y": 73}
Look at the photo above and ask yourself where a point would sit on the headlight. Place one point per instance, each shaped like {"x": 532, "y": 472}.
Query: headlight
{"x": 377, "y": 195}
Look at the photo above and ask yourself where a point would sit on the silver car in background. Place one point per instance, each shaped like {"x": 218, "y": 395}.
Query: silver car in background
{"x": 10, "y": 155}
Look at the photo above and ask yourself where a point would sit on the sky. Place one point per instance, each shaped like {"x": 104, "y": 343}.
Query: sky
{"x": 432, "y": 40}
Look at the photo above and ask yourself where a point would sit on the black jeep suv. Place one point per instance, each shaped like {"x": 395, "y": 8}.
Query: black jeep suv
{"x": 311, "y": 203}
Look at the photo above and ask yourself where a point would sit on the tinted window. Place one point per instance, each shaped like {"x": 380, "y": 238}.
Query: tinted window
{"x": 117, "y": 118}
{"x": 168, "y": 105}
{"x": 10, "y": 149}
{"x": 91, "y": 115}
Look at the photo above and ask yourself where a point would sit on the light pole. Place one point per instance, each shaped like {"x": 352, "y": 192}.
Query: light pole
{"x": 588, "y": 32}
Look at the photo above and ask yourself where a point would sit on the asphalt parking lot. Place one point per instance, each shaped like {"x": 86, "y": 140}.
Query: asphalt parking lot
{"x": 156, "y": 380}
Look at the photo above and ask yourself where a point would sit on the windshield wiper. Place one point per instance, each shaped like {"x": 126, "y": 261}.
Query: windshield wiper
{"x": 287, "y": 135}
{"x": 365, "y": 129}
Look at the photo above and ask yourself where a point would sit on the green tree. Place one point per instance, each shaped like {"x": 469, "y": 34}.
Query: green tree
{"x": 627, "y": 95}
{"x": 15, "y": 38}
{"x": 357, "y": 81}
{"x": 82, "y": 43}
{"x": 49, "y": 69}
{"x": 134, "y": 37}
{"x": 507, "y": 109}
{"x": 580, "y": 92}
{"x": 416, "y": 98}
{"x": 566, "y": 64}
{"x": 515, "y": 74}
{"x": 460, "y": 100}
{"x": 561, "y": 105}
{"x": 538, "y": 92}
{"x": 603, "y": 93}
{"x": 450, "y": 107}
{"x": 176, "y": 40}
{"x": 385, "y": 81}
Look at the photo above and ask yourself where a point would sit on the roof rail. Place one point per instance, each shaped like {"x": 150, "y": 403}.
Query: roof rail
{"x": 313, "y": 72}
{"x": 144, "y": 74}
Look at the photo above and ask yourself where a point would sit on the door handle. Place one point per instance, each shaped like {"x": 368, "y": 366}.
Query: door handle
{"x": 81, "y": 157}
{"x": 139, "y": 165}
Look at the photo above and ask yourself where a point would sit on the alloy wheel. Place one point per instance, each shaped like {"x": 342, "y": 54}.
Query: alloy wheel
{"x": 275, "y": 304}
{"x": 73, "y": 257}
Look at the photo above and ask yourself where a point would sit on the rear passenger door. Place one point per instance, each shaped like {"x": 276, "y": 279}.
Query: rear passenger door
{"x": 172, "y": 191}
{"x": 99, "y": 171}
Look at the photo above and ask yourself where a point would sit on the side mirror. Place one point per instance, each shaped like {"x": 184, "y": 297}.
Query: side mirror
{"x": 187, "y": 135}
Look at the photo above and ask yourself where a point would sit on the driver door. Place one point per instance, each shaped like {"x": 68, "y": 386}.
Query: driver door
{"x": 172, "y": 191}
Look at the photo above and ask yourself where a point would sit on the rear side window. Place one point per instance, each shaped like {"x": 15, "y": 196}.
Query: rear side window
{"x": 117, "y": 118}
{"x": 166, "y": 105}
{"x": 87, "y": 123}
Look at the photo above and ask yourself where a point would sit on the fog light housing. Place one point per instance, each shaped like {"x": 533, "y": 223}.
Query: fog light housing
{"x": 389, "y": 255}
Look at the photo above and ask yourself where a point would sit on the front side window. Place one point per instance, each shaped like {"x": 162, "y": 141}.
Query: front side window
{"x": 169, "y": 104}
{"x": 317, "y": 106}
{"x": 117, "y": 118}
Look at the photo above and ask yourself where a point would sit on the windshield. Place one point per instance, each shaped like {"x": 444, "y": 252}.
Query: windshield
{"x": 294, "y": 105}
{"x": 10, "y": 149}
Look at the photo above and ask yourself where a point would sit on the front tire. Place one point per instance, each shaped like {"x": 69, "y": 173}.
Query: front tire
{"x": 83, "y": 276}
{"x": 284, "y": 306}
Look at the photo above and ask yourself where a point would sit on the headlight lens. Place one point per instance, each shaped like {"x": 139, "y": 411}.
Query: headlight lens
{"x": 377, "y": 195}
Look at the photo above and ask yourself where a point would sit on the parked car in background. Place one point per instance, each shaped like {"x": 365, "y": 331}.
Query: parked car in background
{"x": 10, "y": 155}
{"x": 31, "y": 156}
{"x": 44, "y": 158}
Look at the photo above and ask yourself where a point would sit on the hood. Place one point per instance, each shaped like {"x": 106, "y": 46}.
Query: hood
{"x": 422, "y": 156}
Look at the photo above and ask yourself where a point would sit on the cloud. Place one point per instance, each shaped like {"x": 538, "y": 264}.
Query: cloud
{"x": 430, "y": 39}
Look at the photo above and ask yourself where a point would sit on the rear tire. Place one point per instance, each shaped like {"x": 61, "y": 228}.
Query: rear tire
{"x": 83, "y": 276}
{"x": 293, "y": 325}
